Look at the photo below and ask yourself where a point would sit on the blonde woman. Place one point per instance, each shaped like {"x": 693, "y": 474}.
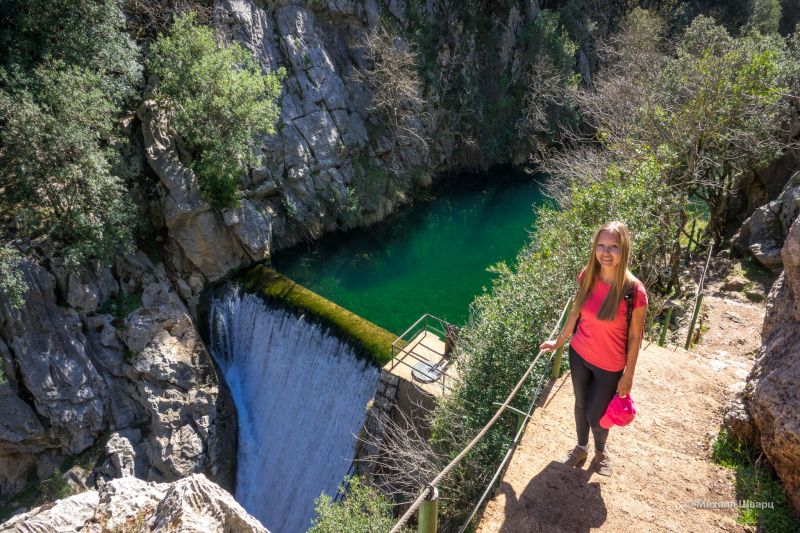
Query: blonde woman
{"x": 604, "y": 347}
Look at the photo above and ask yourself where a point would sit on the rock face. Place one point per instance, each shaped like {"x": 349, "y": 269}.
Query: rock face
{"x": 772, "y": 395}
{"x": 764, "y": 232}
{"x": 128, "y": 358}
{"x": 110, "y": 357}
{"x": 189, "y": 505}
{"x": 334, "y": 160}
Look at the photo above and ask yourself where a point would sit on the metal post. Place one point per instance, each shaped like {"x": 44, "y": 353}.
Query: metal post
{"x": 665, "y": 327}
{"x": 555, "y": 372}
{"x": 428, "y": 513}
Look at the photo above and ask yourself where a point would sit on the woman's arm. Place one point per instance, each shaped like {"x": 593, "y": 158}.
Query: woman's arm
{"x": 634, "y": 344}
{"x": 565, "y": 333}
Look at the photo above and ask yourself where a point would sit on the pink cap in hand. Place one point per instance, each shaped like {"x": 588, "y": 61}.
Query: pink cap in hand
{"x": 620, "y": 412}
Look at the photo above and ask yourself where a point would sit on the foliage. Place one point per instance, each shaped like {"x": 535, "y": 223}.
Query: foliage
{"x": 12, "y": 283}
{"x": 766, "y": 15}
{"x": 395, "y": 85}
{"x": 718, "y": 109}
{"x": 369, "y": 339}
{"x": 755, "y": 482}
{"x": 499, "y": 338}
{"x": 55, "y": 163}
{"x": 217, "y": 99}
{"x": 120, "y": 306}
{"x": 89, "y": 35}
{"x": 548, "y": 105}
{"x": 364, "y": 510}
{"x": 68, "y": 73}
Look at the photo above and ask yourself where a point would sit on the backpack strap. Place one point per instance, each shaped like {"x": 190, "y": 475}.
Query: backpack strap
{"x": 629, "y": 300}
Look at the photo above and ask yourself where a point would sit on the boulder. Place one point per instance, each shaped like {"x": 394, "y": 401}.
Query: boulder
{"x": 772, "y": 392}
{"x": 737, "y": 421}
{"x": 762, "y": 235}
{"x": 127, "y": 504}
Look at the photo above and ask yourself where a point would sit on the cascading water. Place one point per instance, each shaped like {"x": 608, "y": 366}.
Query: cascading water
{"x": 300, "y": 394}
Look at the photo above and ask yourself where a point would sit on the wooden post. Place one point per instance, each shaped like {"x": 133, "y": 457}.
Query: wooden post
{"x": 555, "y": 372}
{"x": 662, "y": 338}
{"x": 428, "y": 513}
{"x": 694, "y": 320}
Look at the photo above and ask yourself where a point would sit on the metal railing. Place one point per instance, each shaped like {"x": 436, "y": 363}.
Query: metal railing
{"x": 427, "y": 501}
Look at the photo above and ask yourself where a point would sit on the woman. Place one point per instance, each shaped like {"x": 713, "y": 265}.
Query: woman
{"x": 598, "y": 361}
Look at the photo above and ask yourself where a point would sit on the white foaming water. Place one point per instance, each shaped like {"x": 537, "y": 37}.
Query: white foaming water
{"x": 301, "y": 397}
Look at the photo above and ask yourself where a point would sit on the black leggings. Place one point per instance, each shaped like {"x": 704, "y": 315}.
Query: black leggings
{"x": 594, "y": 388}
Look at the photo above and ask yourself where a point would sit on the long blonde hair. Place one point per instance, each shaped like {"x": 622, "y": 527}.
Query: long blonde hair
{"x": 623, "y": 278}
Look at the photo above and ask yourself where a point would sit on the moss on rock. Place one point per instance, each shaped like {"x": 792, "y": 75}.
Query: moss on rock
{"x": 367, "y": 338}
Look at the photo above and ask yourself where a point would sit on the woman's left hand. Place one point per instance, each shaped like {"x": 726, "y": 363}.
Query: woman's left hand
{"x": 624, "y": 385}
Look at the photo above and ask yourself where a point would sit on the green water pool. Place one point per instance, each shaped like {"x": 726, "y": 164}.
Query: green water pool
{"x": 431, "y": 257}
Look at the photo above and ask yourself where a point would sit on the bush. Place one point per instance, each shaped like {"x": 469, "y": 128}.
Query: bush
{"x": 217, "y": 99}
{"x": 55, "y": 163}
{"x": 364, "y": 510}
{"x": 12, "y": 283}
{"x": 89, "y": 35}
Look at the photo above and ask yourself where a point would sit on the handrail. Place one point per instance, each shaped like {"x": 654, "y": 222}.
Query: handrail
{"x": 432, "y": 485}
{"x": 523, "y": 424}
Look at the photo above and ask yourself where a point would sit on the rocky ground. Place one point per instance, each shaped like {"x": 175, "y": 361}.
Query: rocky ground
{"x": 663, "y": 469}
{"x": 129, "y": 504}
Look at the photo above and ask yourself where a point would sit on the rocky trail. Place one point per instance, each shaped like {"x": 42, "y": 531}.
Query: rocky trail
{"x": 663, "y": 478}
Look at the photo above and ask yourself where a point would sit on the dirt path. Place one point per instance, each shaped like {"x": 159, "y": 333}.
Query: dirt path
{"x": 661, "y": 460}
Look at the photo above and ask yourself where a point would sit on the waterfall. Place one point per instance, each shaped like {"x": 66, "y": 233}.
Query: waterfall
{"x": 301, "y": 397}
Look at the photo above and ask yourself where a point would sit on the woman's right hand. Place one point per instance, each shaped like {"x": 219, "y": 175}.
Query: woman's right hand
{"x": 549, "y": 346}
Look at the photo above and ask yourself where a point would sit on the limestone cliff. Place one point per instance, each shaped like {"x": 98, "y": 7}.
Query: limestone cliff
{"x": 108, "y": 352}
{"x": 771, "y": 395}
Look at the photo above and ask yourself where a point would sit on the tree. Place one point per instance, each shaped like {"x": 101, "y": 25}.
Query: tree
{"x": 88, "y": 34}
{"x": 68, "y": 73}
{"x": 217, "y": 99}
{"x": 396, "y": 86}
{"x": 55, "y": 164}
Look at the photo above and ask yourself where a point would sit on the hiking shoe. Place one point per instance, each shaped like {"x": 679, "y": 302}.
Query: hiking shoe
{"x": 603, "y": 463}
{"x": 575, "y": 457}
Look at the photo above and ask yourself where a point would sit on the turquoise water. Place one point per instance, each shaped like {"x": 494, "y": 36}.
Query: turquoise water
{"x": 430, "y": 257}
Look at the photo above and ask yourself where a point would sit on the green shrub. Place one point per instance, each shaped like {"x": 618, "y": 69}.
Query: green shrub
{"x": 364, "y": 510}
{"x": 120, "y": 306}
{"x": 68, "y": 72}
{"x": 89, "y": 35}
{"x": 56, "y": 163}
{"x": 12, "y": 284}
{"x": 756, "y": 483}
{"x": 217, "y": 99}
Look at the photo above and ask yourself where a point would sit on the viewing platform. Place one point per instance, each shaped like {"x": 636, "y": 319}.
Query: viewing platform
{"x": 421, "y": 355}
